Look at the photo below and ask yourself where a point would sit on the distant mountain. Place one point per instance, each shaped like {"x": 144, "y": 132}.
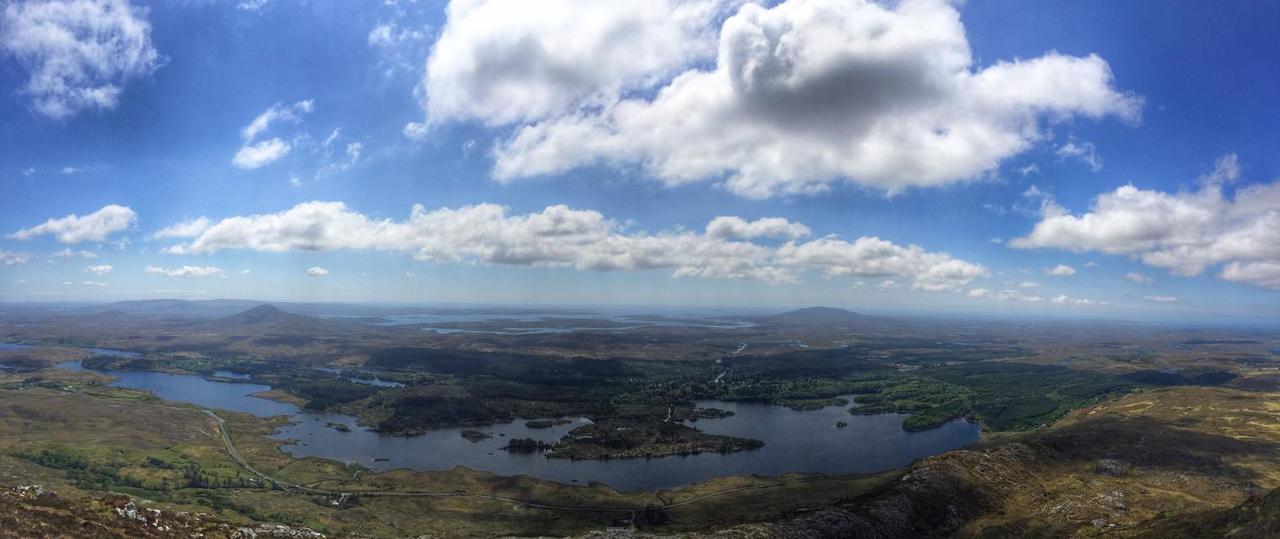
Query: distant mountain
{"x": 172, "y": 308}
{"x": 819, "y": 316}
{"x": 262, "y": 315}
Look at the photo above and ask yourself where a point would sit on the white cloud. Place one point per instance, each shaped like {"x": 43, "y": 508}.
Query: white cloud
{"x": 1264, "y": 274}
{"x": 1225, "y": 170}
{"x": 1090, "y": 264}
{"x": 769, "y": 227}
{"x": 187, "y": 271}
{"x": 399, "y": 49}
{"x": 781, "y": 100}
{"x": 317, "y": 271}
{"x": 253, "y": 155}
{"x": 78, "y": 54}
{"x": 1014, "y": 295}
{"x": 1062, "y": 299}
{"x": 94, "y": 283}
{"x": 1028, "y": 284}
{"x": 1085, "y": 152}
{"x": 979, "y": 293}
{"x": 1028, "y": 170}
{"x": 416, "y": 131}
{"x": 10, "y": 258}
{"x": 75, "y": 229}
{"x": 560, "y": 236}
{"x": 874, "y": 257}
{"x": 189, "y": 228}
{"x": 245, "y": 271}
{"x": 503, "y": 61}
{"x": 353, "y": 156}
{"x": 1184, "y": 232}
{"x": 66, "y": 252}
{"x": 101, "y": 269}
{"x": 1161, "y": 299}
{"x": 278, "y": 112}
{"x": 262, "y": 153}
{"x": 1061, "y": 270}
{"x": 409, "y": 274}
{"x": 1137, "y": 277}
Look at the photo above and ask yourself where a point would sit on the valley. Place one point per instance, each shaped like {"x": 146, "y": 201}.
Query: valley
{"x": 817, "y": 419}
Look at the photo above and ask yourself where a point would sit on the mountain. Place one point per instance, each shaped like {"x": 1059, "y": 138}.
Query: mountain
{"x": 819, "y": 316}
{"x": 262, "y": 315}
{"x": 172, "y": 308}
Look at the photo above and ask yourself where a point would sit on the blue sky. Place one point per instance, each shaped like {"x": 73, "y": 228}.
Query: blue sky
{"x": 985, "y": 141}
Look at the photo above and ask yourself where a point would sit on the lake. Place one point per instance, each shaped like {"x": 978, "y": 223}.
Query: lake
{"x": 805, "y": 442}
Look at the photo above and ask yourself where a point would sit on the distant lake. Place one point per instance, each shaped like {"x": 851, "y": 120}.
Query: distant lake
{"x": 806, "y": 442}
{"x": 8, "y": 346}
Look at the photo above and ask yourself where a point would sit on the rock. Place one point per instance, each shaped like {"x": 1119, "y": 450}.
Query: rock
{"x": 1111, "y": 467}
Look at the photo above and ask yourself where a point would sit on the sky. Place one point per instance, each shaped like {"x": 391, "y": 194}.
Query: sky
{"x": 1075, "y": 159}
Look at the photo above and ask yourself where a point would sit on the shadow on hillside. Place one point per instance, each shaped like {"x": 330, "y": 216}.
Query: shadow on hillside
{"x": 1151, "y": 443}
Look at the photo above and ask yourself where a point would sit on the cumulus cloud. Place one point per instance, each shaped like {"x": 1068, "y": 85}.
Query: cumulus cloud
{"x": 769, "y": 227}
{"x": 73, "y": 228}
{"x": 253, "y": 156}
{"x": 317, "y": 271}
{"x": 781, "y": 100}
{"x": 94, "y": 283}
{"x": 1184, "y": 232}
{"x": 10, "y": 258}
{"x": 504, "y": 61}
{"x": 78, "y": 54}
{"x": 874, "y": 257}
{"x": 559, "y": 236}
{"x": 186, "y": 271}
{"x": 1264, "y": 274}
{"x": 979, "y": 293}
{"x": 1028, "y": 284}
{"x": 1061, "y": 270}
{"x": 189, "y": 228}
{"x": 101, "y": 269}
{"x": 1161, "y": 299}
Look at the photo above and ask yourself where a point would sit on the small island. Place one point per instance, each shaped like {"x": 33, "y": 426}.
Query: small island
{"x": 475, "y": 436}
{"x": 546, "y": 423}
{"x": 806, "y": 405}
{"x": 621, "y": 439}
{"x": 340, "y": 427}
{"x": 526, "y": 445}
